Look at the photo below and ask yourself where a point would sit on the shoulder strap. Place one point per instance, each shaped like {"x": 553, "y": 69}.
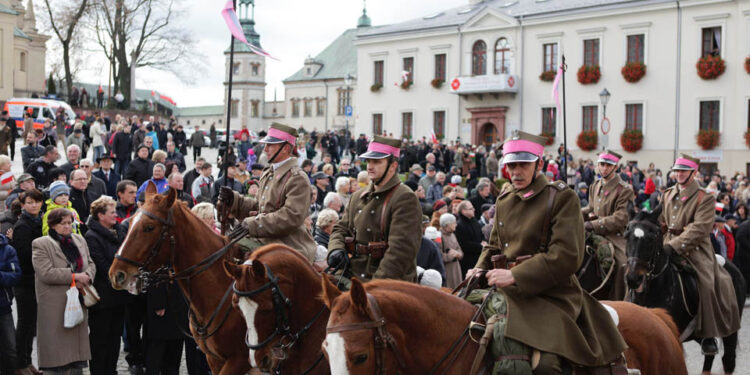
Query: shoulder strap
{"x": 701, "y": 194}
{"x": 284, "y": 180}
{"x": 385, "y": 205}
{"x": 544, "y": 238}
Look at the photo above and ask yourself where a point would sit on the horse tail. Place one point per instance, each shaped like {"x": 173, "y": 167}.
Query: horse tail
{"x": 740, "y": 288}
{"x": 664, "y": 316}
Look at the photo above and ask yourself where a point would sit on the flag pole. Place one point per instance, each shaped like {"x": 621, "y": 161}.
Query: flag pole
{"x": 564, "y": 171}
{"x": 225, "y": 215}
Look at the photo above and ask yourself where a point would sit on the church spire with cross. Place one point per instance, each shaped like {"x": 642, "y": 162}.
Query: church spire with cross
{"x": 364, "y": 20}
{"x": 246, "y": 13}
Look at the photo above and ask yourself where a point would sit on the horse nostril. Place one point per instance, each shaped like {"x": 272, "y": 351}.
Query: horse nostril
{"x": 120, "y": 277}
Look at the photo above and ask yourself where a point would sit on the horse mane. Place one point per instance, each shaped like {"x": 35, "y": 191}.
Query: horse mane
{"x": 276, "y": 248}
{"x": 391, "y": 289}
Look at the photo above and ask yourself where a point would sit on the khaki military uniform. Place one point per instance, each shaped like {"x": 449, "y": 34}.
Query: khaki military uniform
{"x": 403, "y": 231}
{"x": 689, "y": 224}
{"x": 547, "y": 309}
{"x": 609, "y": 202}
{"x": 278, "y": 213}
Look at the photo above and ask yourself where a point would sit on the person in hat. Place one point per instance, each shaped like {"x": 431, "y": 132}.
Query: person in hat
{"x": 688, "y": 214}
{"x": 546, "y": 308}
{"x": 40, "y": 168}
{"x": 415, "y": 173}
{"x": 107, "y": 174}
{"x": 320, "y": 182}
{"x": 607, "y": 214}
{"x": 25, "y": 182}
{"x": 381, "y": 219}
{"x": 140, "y": 169}
{"x": 283, "y": 197}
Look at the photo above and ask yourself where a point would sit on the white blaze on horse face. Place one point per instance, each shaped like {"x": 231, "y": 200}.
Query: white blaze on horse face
{"x": 334, "y": 345}
{"x": 249, "y": 308}
{"x": 133, "y": 222}
{"x": 639, "y": 233}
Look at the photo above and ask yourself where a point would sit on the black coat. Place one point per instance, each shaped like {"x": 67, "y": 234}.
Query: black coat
{"x": 469, "y": 236}
{"x": 103, "y": 245}
{"x": 742, "y": 250}
{"x": 234, "y": 184}
{"x": 189, "y": 177}
{"x": 429, "y": 257}
{"x": 110, "y": 183}
{"x": 361, "y": 145}
{"x": 139, "y": 170}
{"x": 122, "y": 146}
{"x": 25, "y": 231}
{"x": 29, "y": 153}
{"x": 40, "y": 170}
{"x": 178, "y": 158}
{"x": 180, "y": 141}
{"x": 81, "y": 202}
{"x": 168, "y": 327}
{"x": 69, "y": 168}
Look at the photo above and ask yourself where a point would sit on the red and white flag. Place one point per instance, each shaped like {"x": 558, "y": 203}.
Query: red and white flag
{"x": 6, "y": 178}
{"x": 556, "y": 87}
{"x": 233, "y": 23}
{"x": 434, "y": 138}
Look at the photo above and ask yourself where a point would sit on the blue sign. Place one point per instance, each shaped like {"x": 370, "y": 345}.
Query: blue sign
{"x": 348, "y": 111}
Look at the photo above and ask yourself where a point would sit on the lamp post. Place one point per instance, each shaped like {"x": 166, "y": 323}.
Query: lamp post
{"x": 604, "y": 98}
{"x": 347, "y": 84}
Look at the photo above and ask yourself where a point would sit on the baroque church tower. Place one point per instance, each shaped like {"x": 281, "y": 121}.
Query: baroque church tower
{"x": 249, "y": 74}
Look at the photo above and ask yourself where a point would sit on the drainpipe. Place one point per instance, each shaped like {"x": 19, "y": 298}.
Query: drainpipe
{"x": 520, "y": 74}
{"x": 677, "y": 83}
{"x": 325, "y": 83}
{"x": 458, "y": 96}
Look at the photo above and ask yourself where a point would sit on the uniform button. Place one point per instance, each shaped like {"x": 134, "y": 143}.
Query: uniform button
{"x": 263, "y": 197}
{"x": 363, "y": 275}
{"x": 372, "y": 211}
{"x": 376, "y": 197}
{"x": 506, "y": 244}
{"x": 499, "y": 223}
{"x": 368, "y": 229}
{"x": 683, "y": 246}
{"x": 359, "y": 212}
{"x": 673, "y": 217}
{"x": 260, "y": 225}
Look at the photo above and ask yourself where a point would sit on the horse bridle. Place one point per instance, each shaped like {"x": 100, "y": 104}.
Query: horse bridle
{"x": 282, "y": 307}
{"x": 383, "y": 339}
{"x": 649, "y": 265}
{"x": 147, "y": 278}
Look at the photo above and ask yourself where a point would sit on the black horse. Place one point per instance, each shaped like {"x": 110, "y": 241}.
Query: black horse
{"x": 592, "y": 276}
{"x": 654, "y": 281}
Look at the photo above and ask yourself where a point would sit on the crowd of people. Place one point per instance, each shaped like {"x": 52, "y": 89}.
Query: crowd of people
{"x": 64, "y": 218}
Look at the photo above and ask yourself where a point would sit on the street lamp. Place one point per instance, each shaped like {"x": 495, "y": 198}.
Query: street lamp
{"x": 347, "y": 83}
{"x": 604, "y": 97}
{"x": 605, "y": 127}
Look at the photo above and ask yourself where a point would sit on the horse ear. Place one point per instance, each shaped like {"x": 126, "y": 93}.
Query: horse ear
{"x": 358, "y": 295}
{"x": 631, "y": 210}
{"x": 330, "y": 292}
{"x": 232, "y": 270}
{"x": 259, "y": 270}
{"x": 171, "y": 197}
{"x": 150, "y": 189}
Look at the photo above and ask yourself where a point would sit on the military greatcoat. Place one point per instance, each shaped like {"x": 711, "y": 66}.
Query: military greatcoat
{"x": 403, "y": 231}
{"x": 282, "y": 205}
{"x": 547, "y": 309}
{"x": 718, "y": 314}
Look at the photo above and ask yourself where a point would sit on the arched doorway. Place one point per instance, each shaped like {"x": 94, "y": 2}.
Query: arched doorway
{"x": 488, "y": 134}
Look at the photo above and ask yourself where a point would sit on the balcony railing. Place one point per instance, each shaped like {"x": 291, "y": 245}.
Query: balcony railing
{"x": 485, "y": 84}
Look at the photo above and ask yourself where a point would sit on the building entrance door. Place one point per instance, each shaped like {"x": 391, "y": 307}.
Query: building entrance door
{"x": 489, "y": 134}
{"x": 487, "y": 125}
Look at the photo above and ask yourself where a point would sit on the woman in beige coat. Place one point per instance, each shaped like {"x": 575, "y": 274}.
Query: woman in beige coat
{"x": 452, "y": 252}
{"x": 58, "y": 258}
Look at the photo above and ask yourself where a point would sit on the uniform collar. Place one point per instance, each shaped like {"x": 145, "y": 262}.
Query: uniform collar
{"x": 395, "y": 180}
{"x": 607, "y": 186}
{"x": 687, "y": 192}
{"x": 533, "y": 189}
{"x": 280, "y": 164}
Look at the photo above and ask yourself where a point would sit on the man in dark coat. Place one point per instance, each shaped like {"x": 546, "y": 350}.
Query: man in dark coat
{"x": 361, "y": 144}
{"x": 469, "y": 235}
{"x": 32, "y": 150}
{"x": 176, "y": 156}
{"x": 166, "y": 313}
{"x": 742, "y": 250}
{"x": 194, "y": 173}
{"x": 10, "y": 122}
{"x": 227, "y": 181}
{"x": 482, "y": 196}
{"x": 141, "y": 168}
{"x": 122, "y": 149}
{"x": 81, "y": 196}
{"x": 74, "y": 157}
{"x": 180, "y": 139}
{"x": 106, "y": 174}
{"x": 40, "y": 168}
{"x": 126, "y": 197}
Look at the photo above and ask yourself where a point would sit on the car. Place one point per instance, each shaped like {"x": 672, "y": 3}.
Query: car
{"x": 189, "y": 133}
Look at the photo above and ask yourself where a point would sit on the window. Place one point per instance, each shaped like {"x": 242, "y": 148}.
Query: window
{"x": 479, "y": 58}
{"x": 549, "y": 121}
{"x": 409, "y": 67}
{"x": 440, "y": 66}
{"x": 22, "y": 62}
{"x": 295, "y": 107}
{"x": 635, "y": 48}
{"x": 377, "y": 123}
{"x": 748, "y": 115}
{"x": 254, "y": 68}
{"x": 709, "y": 115}
{"x": 378, "y": 72}
{"x": 236, "y": 69}
{"x": 590, "y": 114}
{"x": 711, "y": 42}
{"x": 254, "y": 108}
{"x": 634, "y": 117}
{"x": 406, "y": 124}
{"x": 308, "y": 107}
{"x": 502, "y": 56}
{"x": 550, "y": 57}
{"x": 343, "y": 100}
{"x": 203, "y": 122}
{"x": 591, "y": 52}
{"x": 438, "y": 124}
{"x": 234, "y": 108}
{"x": 188, "y": 122}
{"x": 321, "y": 104}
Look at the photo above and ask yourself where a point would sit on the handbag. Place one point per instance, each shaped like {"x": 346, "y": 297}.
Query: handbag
{"x": 90, "y": 296}
{"x": 73, "y": 309}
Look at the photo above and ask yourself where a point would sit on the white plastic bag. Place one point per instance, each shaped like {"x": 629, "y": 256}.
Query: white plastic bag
{"x": 73, "y": 309}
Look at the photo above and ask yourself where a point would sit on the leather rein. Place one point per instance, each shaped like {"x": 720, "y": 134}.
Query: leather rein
{"x": 650, "y": 264}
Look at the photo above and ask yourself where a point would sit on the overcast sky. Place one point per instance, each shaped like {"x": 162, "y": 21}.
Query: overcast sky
{"x": 289, "y": 29}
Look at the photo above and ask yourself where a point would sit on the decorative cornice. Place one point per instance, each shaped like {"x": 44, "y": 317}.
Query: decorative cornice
{"x": 408, "y": 50}
{"x": 592, "y": 30}
{"x": 441, "y": 46}
{"x": 711, "y": 17}
{"x": 637, "y": 25}
{"x": 556, "y": 34}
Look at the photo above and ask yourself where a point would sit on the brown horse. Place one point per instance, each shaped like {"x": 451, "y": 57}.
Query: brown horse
{"x": 164, "y": 234}
{"x": 424, "y": 324}
{"x": 278, "y": 292}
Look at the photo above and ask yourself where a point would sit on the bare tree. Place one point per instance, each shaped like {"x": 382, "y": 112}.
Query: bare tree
{"x": 64, "y": 20}
{"x": 143, "y": 33}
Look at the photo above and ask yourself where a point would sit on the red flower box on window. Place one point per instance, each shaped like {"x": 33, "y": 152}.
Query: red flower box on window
{"x": 550, "y": 138}
{"x": 437, "y": 83}
{"x": 631, "y": 140}
{"x": 589, "y": 74}
{"x": 633, "y": 71}
{"x": 708, "y": 139}
{"x": 548, "y": 76}
{"x": 406, "y": 84}
{"x": 747, "y": 138}
{"x": 710, "y": 67}
{"x": 587, "y": 140}
{"x": 747, "y": 64}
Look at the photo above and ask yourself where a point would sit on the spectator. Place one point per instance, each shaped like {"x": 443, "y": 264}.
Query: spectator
{"x": 25, "y": 182}
{"x": 81, "y": 196}
{"x": 74, "y": 155}
{"x": 451, "y": 251}
{"x": 415, "y": 173}
{"x": 59, "y": 197}
{"x": 583, "y": 194}
{"x": 122, "y": 148}
{"x": 334, "y": 202}
{"x": 227, "y": 180}
{"x": 207, "y": 213}
{"x": 138, "y": 135}
{"x": 469, "y": 236}
{"x": 482, "y": 196}
{"x": 176, "y": 182}
{"x": 436, "y": 190}
{"x": 10, "y": 274}
{"x": 106, "y": 318}
{"x": 175, "y": 156}
{"x": 717, "y": 237}
{"x": 41, "y": 167}
{"x": 77, "y": 138}
{"x": 438, "y": 208}
{"x": 202, "y": 185}
{"x": 140, "y": 169}
{"x": 256, "y": 170}
{"x": 96, "y": 134}
{"x": 428, "y": 179}
{"x": 192, "y": 174}
{"x": 31, "y": 151}
{"x": 491, "y": 166}
{"x": 159, "y": 156}
{"x": 343, "y": 189}
{"x": 198, "y": 142}
{"x": 363, "y": 179}
{"x": 151, "y": 134}
{"x": 728, "y": 229}
{"x": 126, "y": 197}
{"x": 28, "y": 123}
{"x": 158, "y": 178}
{"x": 95, "y": 184}
{"x": 346, "y": 169}
{"x": 428, "y": 256}
{"x": 7, "y": 180}
{"x": 6, "y": 137}
{"x": 327, "y": 218}
{"x": 59, "y": 258}
{"x": 9, "y": 217}
{"x": 107, "y": 175}
{"x": 180, "y": 141}
{"x": 321, "y": 181}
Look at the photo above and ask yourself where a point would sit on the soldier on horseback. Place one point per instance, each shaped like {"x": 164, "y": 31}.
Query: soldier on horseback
{"x": 607, "y": 214}
{"x": 380, "y": 228}
{"x": 539, "y": 228}
{"x": 279, "y": 211}
{"x": 687, "y": 218}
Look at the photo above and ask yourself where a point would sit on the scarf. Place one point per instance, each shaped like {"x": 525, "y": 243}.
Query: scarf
{"x": 69, "y": 249}
{"x": 36, "y": 220}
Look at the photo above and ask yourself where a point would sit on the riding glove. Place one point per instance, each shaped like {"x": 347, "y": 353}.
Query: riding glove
{"x": 338, "y": 258}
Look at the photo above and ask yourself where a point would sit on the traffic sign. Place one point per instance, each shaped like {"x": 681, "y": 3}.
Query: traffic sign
{"x": 606, "y": 126}
{"x": 348, "y": 111}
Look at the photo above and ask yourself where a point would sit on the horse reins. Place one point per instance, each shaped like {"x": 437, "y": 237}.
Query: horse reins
{"x": 383, "y": 339}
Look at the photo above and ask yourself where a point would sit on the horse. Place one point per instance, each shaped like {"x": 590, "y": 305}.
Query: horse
{"x": 654, "y": 282}
{"x": 277, "y": 291}
{"x": 592, "y": 277}
{"x": 389, "y": 326}
{"x": 166, "y": 242}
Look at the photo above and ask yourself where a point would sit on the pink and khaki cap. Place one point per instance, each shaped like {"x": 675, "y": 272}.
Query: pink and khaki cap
{"x": 523, "y": 147}
{"x": 609, "y": 157}
{"x": 280, "y": 133}
{"x": 381, "y": 148}
{"x": 686, "y": 163}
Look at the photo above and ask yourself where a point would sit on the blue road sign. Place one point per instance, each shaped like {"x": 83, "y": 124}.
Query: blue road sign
{"x": 348, "y": 111}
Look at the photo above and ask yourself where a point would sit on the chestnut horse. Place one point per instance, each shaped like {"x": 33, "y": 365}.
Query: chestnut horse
{"x": 278, "y": 292}
{"x": 163, "y": 235}
{"x": 412, "y": 329}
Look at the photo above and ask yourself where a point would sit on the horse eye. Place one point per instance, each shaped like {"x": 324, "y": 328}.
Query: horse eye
{"x": 360, "y": 359}
{"x": 149, "y": 228}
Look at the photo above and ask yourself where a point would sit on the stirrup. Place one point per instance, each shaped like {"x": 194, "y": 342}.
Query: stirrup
{"x": 706, "y": 348}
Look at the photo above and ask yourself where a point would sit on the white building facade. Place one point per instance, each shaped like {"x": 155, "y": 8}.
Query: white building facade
{"x": 22, "y": 51}
{"x": 491, "y": 56}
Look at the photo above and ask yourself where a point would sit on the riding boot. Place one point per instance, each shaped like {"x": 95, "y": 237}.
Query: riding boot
{"x": 709, "y": 346}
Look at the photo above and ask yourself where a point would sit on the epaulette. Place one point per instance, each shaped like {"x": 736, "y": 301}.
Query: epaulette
{"x": 506, "y": 190}
{"x": 559, "y": 185}
{"x": 626, "y": 185}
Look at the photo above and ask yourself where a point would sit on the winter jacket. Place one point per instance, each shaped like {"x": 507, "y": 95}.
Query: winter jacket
{"x": 435, "y": 192}
{"x": 122, "y": 146}
{"x": 139, "y": 170}
{"x": 10, "y": 274}
{"x": 30, "y": 153}
{"x": 27, "y": 229}
{"x": 469, "y": 235}
{"x": 123, "y": 212}
{"x": 197, "y": 139}
{"x": 80, "y": 201}
{"x": 178, "y": 158}
{"x": 103, "y": 244}
{"x": 51, "y": 206}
